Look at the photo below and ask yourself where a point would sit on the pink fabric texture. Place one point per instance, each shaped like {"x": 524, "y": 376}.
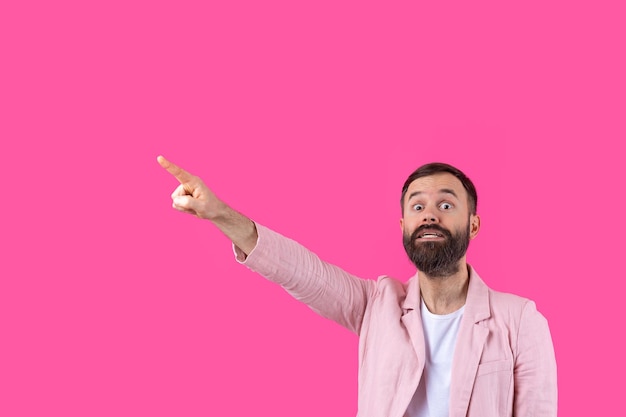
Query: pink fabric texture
{"x": 504, "y": 362}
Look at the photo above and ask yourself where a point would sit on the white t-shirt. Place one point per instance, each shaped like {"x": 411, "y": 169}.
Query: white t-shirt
{"x": 432, "y": 397}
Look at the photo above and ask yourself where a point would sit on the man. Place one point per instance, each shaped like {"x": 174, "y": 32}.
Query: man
{"x": 443, "y": 343}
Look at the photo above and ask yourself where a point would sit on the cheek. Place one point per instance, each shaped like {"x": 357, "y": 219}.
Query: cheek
{"x": 406, "y": 225}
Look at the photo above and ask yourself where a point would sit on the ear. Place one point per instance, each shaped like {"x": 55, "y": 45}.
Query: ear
{"x": 401, "y": 224}
{"x": 474, "y": 225}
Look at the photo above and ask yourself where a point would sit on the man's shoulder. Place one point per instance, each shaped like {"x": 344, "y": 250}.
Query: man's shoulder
{"x": 508, "y": 304}
{"x": 498, "y": 300}
{"x": 507, "y": 298}
{"x": 394, "y": 294}
{"x": 513, "y": 308}
{"x": 388, "y": 287}
{"x": 388, "y": 283}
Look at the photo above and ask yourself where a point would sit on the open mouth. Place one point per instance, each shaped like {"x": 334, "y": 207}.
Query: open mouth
{"x": 429, "y": 235}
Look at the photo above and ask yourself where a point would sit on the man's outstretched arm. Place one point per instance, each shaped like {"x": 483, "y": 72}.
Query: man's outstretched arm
{"x": 194, "y": 197}
{"x": 325, "y": 288}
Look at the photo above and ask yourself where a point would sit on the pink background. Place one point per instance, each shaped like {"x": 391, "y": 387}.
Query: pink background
{"x": 306, "y": 116}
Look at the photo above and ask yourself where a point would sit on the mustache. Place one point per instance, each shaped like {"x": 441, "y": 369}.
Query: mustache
{"x": 420, "y": 229}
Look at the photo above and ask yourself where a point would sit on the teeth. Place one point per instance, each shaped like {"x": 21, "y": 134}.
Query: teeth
{"x": 429, "y": 235}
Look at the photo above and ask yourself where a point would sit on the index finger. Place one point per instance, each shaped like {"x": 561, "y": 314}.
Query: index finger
{"x": 180, "y": 174}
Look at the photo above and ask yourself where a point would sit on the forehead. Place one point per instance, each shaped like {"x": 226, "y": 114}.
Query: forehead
{"x": 437, "y": 184}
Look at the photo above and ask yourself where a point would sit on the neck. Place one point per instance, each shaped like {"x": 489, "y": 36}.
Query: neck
{"x": 445, "y": 295}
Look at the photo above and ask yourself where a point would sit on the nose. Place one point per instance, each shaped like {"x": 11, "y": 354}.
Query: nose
{"x": 429, "y": 217}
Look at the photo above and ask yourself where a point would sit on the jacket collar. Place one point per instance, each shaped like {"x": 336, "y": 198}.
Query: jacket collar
{"x": 476, "y": 303}
{"x": 469, "y": 345}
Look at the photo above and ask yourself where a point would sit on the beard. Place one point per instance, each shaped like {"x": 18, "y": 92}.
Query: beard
{"x": 437, "y": 259}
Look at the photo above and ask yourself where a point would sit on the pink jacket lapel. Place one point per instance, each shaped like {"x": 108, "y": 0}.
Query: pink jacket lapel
{"x": 469, "y": 346}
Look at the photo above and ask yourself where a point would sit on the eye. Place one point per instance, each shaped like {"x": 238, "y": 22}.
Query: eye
{"x": 445, "y": 206}
{"x": 418, "y": 207}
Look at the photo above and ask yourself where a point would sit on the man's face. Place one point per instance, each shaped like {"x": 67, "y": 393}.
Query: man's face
{"x": 437, "y": 225}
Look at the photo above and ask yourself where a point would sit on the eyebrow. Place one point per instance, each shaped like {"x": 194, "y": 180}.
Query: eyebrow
{"x": 442, "y": 191}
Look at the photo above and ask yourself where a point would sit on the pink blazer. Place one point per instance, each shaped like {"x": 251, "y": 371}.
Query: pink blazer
{"x": 503, "y": 365}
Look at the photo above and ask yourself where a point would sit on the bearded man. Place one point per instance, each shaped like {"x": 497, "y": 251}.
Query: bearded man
{"x": 443, "y": 344}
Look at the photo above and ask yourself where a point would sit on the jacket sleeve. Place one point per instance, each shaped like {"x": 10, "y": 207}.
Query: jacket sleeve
{"x": 325, "y": 288}
{"x": 535, "y": 373}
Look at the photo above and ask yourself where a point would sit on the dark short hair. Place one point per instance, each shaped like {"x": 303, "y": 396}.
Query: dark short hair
{"x": 438, "y": 168}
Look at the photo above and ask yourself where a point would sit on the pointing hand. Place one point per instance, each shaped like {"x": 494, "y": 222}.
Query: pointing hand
{"x": 192, "y": 195}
